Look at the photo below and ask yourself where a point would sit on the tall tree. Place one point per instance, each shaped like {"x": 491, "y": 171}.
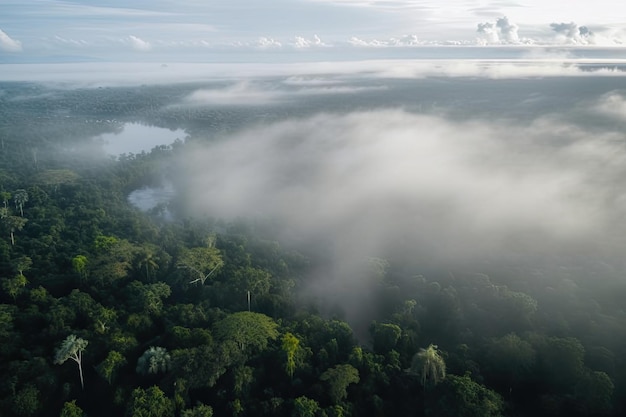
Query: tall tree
{"x": 429, "y": 366}
{"x": 5, "y": 197}
{"x": 20, "y": 197}
{"x": 72, "y": 348}
{"x": 290, "y": 345}
{"x": 13, "y": 224}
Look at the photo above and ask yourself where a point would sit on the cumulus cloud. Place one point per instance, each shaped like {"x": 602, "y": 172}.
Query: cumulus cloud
{"x": 139, "y": 44}
{"x": 266, "y": 43}
{"x": 502, "y": 31}
{"x": 572, "y": 33}
{"x": 301, "y": 42}
{"x": 9, "y": 44}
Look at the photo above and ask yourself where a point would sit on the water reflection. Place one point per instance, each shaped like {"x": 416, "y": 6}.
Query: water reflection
{"x": 135, "y": 138}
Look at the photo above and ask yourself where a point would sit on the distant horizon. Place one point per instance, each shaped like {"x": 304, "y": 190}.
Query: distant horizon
{"x": 136, "y": 30}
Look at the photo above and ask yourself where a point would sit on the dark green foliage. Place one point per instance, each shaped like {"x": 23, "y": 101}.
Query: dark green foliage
{"x": 459, "y": 396}
{"x": 151, "y": 402}
{"x": 162, "y": 299}
{"x": 338, "y": 379}
{"x": 248, "y": 330}
{"x": 70, "y": 409}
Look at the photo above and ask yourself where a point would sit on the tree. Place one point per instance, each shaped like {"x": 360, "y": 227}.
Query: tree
{"x": 79, "y": 264}
{"x": 385, "y": 335}
{"x": 429, "y": 366}
{"x": 72, "y": 348}
{"x": 148, "y": 297}
{"x": 305, "y": 407}
{"x": 595, "y": 391}
{"x": 459, "y": 396}
{"x": 23, "y": 263}
{"x": 151, "y": 402}
{"x": 290, "y": 345}
{"x": 510, "y": 358}
{"x": 147, "y": 260}
{"x": 26, "y": 401}
{"x": 109, "y": 366}
{"x": 199, "y": 410}
{"x": 20, "y": 197}
{"x": 154, "y": 360}
{"x": 13, "y": 286}
{"x": 249, "y": 330}
{"x": 562, "y": 362}
{"x": 201, "y": 262}
{"x": 338, "y": 379}
{"x": 70, "y": 409}
{"x": 5, "y": 197}
{"x": 13, "y": 224}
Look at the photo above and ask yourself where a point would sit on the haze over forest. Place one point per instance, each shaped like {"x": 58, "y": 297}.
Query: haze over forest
{"x": 388, "y": 205}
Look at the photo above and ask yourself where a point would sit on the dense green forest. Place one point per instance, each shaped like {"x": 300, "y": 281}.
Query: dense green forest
{"x": 108, "y": 310}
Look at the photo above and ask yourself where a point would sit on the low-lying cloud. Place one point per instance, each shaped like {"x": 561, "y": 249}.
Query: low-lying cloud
{"x": 247, "y": 93}
{"x": 397, "y": 185}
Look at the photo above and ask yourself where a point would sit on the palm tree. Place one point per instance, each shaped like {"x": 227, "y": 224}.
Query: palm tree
{"x": 147, "y": 260}
{"x": 20, "y": 197}
{"x": 429, "y": 366}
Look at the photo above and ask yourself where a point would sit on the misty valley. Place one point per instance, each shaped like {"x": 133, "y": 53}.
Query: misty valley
{"x": 378, "y": 243}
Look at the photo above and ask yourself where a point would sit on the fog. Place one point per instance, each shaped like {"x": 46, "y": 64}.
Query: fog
{"x": 444, "y": 166}
{"x": 422, "y": 190}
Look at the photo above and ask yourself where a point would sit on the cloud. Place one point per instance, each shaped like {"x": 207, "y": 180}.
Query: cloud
{"x": 9, "y": 44}
{"x": 301, "y": 42}
{"x": 267, "y": 43}
{"x": 613, "y": 105}
{"x": 100, "y": 74}
{"x": 242, "y": 93}
{"x": 139, "y": 44}
{"x": 571, "y": 33}
{"x": 246, "y": 93}
{"x": 502, "y": 31}
{"x": 422, "y": 189}
{"x": 403, "y": 41}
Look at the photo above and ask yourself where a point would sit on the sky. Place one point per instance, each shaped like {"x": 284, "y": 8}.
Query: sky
{"x": 194, "y": 30}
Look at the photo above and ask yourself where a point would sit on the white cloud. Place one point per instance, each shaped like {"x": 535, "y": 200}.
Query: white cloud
{"x": 241, "y": 94}
{"x": 246, "y": 93}
{"x": 302, "y": 43}
{"x": 142, "y": 73}
{"x": 9, "y": 44}
{"x": 613, "y": 105}
{"x": 139, "y": 44}
{"x": 266, "y": 43}
{"x": 572, "y": 33}
{"x": 440, "y": 190}
{"x": 500, "y": 32}
{"x": 403, "y": 41}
